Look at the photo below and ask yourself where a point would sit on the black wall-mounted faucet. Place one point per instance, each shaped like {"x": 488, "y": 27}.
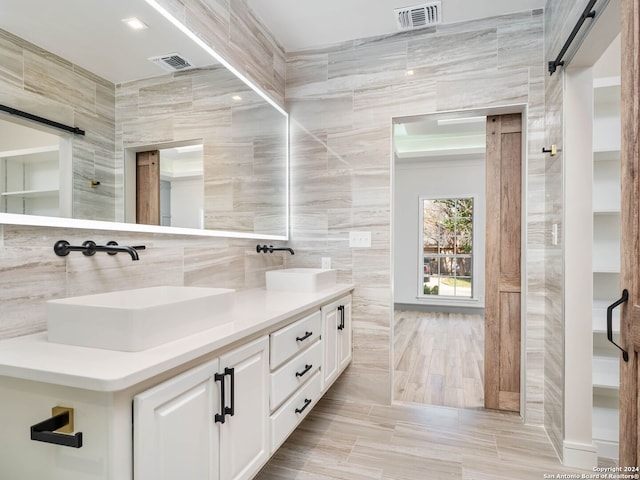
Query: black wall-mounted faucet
{"x": 271, "y": 249}
{"x": 89, "y": 248}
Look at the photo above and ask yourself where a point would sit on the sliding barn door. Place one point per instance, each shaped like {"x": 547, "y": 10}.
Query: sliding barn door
{"x": 503, "y": 283}
{"x": 630, "y": 234}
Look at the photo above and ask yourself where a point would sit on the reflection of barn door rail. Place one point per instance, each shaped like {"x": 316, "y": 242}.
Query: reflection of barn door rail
{"x": 148, "y": 187}
{"x": 503, "y": 284}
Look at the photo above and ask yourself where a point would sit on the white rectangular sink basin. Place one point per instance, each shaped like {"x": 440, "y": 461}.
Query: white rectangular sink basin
{"x": 301, "y": 279}
{"x": 137, "y": 319}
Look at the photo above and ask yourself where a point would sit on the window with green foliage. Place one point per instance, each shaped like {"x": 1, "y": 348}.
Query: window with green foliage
{"x": 446, "y": 268}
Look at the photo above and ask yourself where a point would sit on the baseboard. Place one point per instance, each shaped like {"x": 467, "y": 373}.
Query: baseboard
{"x": 607, "y": 449}
{"x": 579, "y": 455}
{"x": 439, "y": 308}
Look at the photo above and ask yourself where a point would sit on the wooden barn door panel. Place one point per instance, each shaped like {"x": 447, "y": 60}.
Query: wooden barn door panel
{"x": 503, "y": 260}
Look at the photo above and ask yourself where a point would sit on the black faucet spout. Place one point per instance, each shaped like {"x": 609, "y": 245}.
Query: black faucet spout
{"x": 112, "y": 248}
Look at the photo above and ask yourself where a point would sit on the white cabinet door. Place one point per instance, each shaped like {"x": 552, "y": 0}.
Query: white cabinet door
{"x": 330, "y": 323}
{"x": 344, "y": 334}
{"x": 174, "y": 432}
{"x": 337, "y": 339}
{"x": 244, "y": 436}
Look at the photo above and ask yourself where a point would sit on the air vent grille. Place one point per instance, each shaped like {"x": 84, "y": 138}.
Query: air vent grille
{"x": 171, "y": 62}
{"x": 418, "y": 16}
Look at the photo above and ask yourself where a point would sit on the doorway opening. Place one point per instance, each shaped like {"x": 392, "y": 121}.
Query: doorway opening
{"x": 439, "y": 256}
{"x": 164, "y": 184}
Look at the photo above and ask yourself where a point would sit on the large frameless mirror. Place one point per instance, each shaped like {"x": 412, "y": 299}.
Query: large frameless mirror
{"x": 173, "y": 140}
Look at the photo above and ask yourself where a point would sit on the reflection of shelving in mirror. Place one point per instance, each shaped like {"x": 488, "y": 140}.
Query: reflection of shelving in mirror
{"x": 30, "y": 170}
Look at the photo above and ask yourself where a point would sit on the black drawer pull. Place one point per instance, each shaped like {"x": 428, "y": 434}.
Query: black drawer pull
{"x": 306, "y": 369}
{"x": 306, "y": 335}
{"x": 307, "y": 402}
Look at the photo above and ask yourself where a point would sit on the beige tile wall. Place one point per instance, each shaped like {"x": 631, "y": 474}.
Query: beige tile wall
{"x": 342, "y": 99}
{"x": 560, "y": 18}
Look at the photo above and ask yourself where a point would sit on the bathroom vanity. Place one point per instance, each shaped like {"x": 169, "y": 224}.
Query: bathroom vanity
{"x": 212, "y": 405}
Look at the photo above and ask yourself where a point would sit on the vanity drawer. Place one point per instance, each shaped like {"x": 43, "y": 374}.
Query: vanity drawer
{"x": 287, "y": 417}
{"x": 294, "y": 338}
{"x": 294, "y": 373}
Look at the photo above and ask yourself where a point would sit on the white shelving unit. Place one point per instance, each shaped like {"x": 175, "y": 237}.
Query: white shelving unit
{"x": 606, "y": 262}
{"x": 30, "y": 180}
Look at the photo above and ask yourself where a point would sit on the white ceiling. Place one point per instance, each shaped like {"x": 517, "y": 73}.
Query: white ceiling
{"x": 91, "y": 34}
{"x": 303, "y": 24}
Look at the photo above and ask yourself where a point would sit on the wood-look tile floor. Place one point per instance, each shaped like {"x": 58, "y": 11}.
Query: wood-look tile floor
{"x": 357, "y": 441}
{"x": 439, "y": 358}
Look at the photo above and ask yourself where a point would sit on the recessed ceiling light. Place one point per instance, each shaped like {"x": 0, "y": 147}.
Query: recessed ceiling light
{"x": 135, "y": 23}
{"x": 237, "y": 98}
{"x": 410, "y": 72}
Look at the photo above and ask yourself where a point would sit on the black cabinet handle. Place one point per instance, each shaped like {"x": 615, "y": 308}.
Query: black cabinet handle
{"x": 307, "y": 402}
{"x": 224, "y": 410}
{"x": 623, "y": 299}
{"x": 306, "y": 335}
{"x": 232, "y": 409}
{"x": 45, "y": 432}
{"x": 341, "y": 310}
{"x": 219, "y": 377}
{"x": 307, "y": 367}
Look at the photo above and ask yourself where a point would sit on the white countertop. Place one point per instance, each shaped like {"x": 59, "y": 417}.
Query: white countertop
{"x": 33, "y": 357}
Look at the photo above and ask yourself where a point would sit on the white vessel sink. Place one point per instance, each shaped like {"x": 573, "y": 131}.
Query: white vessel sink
{"x": 301, "y": 279}
{"x": 134, "y": 320}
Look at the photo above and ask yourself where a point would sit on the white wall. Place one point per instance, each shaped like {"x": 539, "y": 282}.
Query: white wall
{"x": 187, "y": 202}
{"x": 446, "y": 177}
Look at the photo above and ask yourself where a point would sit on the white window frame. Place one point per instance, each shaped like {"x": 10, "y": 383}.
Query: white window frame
{"x": 439, "y": 299}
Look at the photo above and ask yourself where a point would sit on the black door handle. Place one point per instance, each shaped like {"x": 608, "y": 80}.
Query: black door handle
{"x": 341, "y": 310}
{"x": 232, "y": 409}
{"x": 219, "y": 377}
{"x": 623, "y": 299}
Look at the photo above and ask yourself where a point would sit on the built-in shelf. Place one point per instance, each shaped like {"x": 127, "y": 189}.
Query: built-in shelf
{"x": 606, "y": 155}
{"x": 606, "y": 424}
{"x": 599, "y": 317}
{"x": 606, "y": 201}
{"x": 606, "y": 371}
{"x": 607, "y": 82}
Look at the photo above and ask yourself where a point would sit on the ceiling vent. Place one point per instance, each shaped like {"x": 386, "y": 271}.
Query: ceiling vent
{"x": 171, "y": 62}
{"x": 418, "y": 16}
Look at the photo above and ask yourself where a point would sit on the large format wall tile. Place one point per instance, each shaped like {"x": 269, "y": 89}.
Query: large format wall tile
{"x": 342, "y": 99}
